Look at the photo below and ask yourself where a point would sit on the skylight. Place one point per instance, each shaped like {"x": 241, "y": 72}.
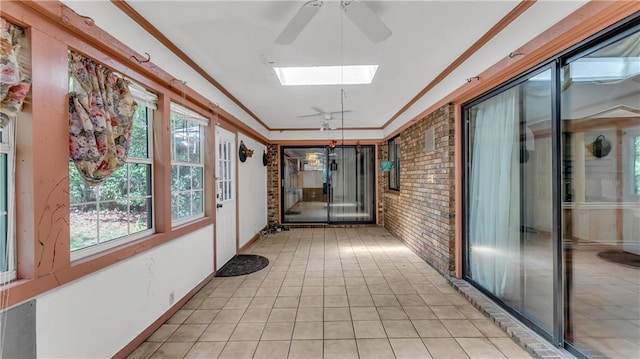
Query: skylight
{"x": 326, "y": 75}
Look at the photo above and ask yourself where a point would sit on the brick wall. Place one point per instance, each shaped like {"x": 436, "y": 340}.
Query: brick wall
{"x": 273, "y": 201}
{"x": 422, "y": 213}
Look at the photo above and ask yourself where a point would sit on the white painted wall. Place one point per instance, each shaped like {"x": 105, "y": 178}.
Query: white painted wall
{"x": 252, "y": 191}
{"x": 97, "y": 315}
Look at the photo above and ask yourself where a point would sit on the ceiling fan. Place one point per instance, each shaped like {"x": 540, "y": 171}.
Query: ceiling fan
{"x": 328, "y": 121}
{"x": 361, "y": 15}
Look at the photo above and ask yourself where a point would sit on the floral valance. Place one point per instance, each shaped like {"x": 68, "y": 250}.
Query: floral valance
{"x": 101, "y": 113}
{"x": 14, "y": 84}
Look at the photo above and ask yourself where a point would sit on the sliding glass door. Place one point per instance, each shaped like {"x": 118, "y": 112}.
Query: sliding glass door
{"x": 552, "y": 196}
{"x": 323, "y": 185}
{"x": 509, "y": 227}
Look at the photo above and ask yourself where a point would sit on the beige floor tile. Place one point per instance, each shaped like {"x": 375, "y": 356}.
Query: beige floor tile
{"x": 267, "y": 291}
{"x": 237, "y": 303}
{"x": 272, "y": 349}
{"x": 239, "y": 350}
{"x": 470, "y": 312}
{"x": 430, "y": 328}
{"x": 510, "y": 349}
{"x": 308, "y": 330}
{"x": 409, "y": 348}
{"x": 187, "y": 333}
{"x": 180, "y": 316}
{"x": 144, "y": 351}
{"x": 306, "y": 291}
{"x": 262, "y": 302}
{"x": 335, "y": 290}
{"x": 310, "y": 315}
{"x": 205, "y": 350}
{"x": 364, "y": 313}
{"x": 277, "y": 331}
{"x": 337, "y": 314}
{"x": 312, "y": 301}
{"x": 248, "y": 292}
{"x": 306, "y": 349}
{"x": 385, "y": 300}
{"x": 380, "y": 289}
{"x": 255, "y": 315}
{"x": 489, "y": 328}
{"x": 338, "y": 330}
{"x": 247, "y": 331}
{"x": 228, "y": 316}
{"x": 444, "y": 348}
{"x": 374, "y": 349}
{"x": 163, "y": 333}
{"x": 369, "y": 329}
{"x": 357, "y": 290}
{"x": 461, "y": 328}
{"x": 334, "y": 279}
{"x": 172, "y": 350}
{"x": 354, "y": 281}
{"x": 419, "y": 312}
{"x": 392, "y": 313}
{"x": 435, "y": 298}
{"x": 480, "y": 348}
{"x": 360, "y": 301}
{"x": 335, "y": 301}
{"x": 213, "y": 303}
{"x": 292, "y": 291}
{"x": 283, "y": 315}
{"x": 447, "y": 312}
{"x": 286, "y": 302}
{"x": 217, "y": 332}
{"x": 340, "y": 349}
{"x": 410, "y": 300}
{"x": 399, "y": 329}
{"x": 202, "y": 316}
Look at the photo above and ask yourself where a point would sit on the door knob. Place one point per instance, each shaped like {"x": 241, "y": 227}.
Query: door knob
{"x": 219, "y": 205}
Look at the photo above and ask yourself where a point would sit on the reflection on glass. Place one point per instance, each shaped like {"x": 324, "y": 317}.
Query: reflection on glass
{"x": 601, "y": 210}
{"x": 510, "y": 214}
{"x": 323, "y": 185}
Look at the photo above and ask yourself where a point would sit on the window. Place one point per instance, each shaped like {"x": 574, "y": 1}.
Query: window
{"x": 637, "y": 165}
{"x": 7, "y": 239}
{"x": 394, "y": 157}
{"x": 120, "y": 208}
{"x": 187, "y": 164}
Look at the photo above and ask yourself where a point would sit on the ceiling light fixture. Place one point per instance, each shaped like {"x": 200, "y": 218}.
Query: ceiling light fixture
{"x": 326, "y": 75}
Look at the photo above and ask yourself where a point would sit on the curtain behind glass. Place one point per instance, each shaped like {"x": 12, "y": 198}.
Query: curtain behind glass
{"x": 494, "y": 194}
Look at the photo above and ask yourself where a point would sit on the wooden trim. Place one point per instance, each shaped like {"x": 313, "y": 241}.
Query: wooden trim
{"x": 129, "y": 348}
{"x": 251, "y": 241}
{"x": 496, "y": 29}
{"x": 317, "y": 129}
{"x": 324, "y": 142}
{"x": 153, "y": 31}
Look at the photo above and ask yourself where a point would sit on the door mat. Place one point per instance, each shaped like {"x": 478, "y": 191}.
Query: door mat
{"x": 243, "y": 264}
{"x": 622, "y": 257}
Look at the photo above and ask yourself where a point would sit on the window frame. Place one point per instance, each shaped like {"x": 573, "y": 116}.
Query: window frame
{"x": 187, "y": 115}
{"x": 394, "y": 174}
{"x": 7, "y": 147}
{"x": 149, "y": 160}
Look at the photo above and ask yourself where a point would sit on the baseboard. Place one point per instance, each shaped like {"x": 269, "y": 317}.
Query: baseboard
{"x": 129, "y": 348}
{"x": 253, "y": 239}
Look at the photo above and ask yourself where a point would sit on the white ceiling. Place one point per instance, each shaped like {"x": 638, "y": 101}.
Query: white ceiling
{"x": 234, "y": 41}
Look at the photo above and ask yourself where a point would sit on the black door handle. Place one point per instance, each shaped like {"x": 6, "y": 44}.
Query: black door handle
{"x": 219, "y": 205}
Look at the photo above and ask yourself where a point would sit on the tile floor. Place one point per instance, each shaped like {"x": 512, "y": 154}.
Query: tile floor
{"x": 331, "y": 293}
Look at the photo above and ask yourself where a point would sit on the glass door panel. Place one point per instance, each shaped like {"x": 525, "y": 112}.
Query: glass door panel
{"x": 351, "y": 184}
{"x": 509, "y": 231}
{"x": 304, "y": 185}
{"x": 600, "y": 115}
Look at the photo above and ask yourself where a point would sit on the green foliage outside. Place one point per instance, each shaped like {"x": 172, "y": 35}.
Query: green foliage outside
{"x": 119, "y": 206}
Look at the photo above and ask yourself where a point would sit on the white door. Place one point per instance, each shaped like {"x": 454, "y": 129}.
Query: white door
{"x": 226, "y": 238}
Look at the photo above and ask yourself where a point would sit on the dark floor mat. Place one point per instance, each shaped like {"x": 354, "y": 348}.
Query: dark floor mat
{"x": 621, "y": 257}
{"x": 243, "y": 264}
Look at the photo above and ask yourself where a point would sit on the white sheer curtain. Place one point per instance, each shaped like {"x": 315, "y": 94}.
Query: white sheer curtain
{"x": 494, "y": 219}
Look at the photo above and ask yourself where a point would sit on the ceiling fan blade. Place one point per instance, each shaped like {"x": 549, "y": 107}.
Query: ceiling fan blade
{"x": 299, "y": 22}
{"x": 366, "y": 20}
{"x": 338, "y": 112}
{"x": 318, "y": 110}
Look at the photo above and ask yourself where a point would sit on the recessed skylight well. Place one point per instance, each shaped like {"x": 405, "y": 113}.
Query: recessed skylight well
{"x": 326, "y": 75}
